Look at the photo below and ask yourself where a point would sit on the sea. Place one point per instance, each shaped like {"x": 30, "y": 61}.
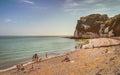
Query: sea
{"x": 20, "y": 49}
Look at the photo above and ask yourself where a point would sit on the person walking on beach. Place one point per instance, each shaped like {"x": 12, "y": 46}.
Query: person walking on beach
{"x": 75, "y": 47}
{"x": 46, "y": 55}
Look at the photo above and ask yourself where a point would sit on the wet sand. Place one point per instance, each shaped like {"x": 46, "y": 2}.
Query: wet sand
{"x": 92, "y": 61}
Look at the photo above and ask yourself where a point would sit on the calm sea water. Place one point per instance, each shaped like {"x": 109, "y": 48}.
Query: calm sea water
{"x": 16, "y": 49}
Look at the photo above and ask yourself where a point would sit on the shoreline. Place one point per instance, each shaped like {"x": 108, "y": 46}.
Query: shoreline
{"x": 14, "y": 67}
{"x": 32, "y": 62}
{"x": 83, "y": 61}
{"x": 15, "y": 49}
{"x": 28, "y": 61}
{"x": 75, "y": 57}
{"x": 50, "y": 57}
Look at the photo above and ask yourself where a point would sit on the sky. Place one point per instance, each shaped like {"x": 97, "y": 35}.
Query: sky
{"x": 49, "y": 17}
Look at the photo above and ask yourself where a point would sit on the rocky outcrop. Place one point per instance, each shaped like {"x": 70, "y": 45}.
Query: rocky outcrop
{"x": 97, "y": 25}
{"x": 113, "y": 25}
{"x": 101, "y": 42}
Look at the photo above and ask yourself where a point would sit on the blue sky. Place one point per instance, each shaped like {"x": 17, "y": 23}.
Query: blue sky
{"x": 49, "y": 17}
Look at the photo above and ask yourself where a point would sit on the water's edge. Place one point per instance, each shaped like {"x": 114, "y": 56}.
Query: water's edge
{"x": 30, "y": 62}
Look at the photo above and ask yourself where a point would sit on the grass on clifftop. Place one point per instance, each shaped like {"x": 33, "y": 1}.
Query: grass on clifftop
{"x": 82, "y": 41}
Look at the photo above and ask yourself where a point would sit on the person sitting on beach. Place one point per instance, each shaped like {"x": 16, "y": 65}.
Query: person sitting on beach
{"x": 35, "y": 57}
{"x": 20, "y": 67}
{"x": 40, "y": 59}
{"x": 66, "y": 59}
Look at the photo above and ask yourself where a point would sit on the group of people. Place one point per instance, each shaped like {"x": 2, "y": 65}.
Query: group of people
{"x": 20, "y": 67}
{"x": 78, "y": 46}
{"x": 35, "y": 58}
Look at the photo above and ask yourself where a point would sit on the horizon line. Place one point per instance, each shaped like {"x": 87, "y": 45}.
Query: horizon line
{"x": 36, "y": 35}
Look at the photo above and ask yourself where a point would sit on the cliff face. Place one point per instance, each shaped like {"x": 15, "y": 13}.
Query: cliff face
{"x": 113, "y": 24}
{"x": 97, "y": 25}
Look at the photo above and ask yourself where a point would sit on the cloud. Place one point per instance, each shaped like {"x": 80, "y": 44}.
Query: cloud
{"x": 32, "y": 5}
{"x": 9, "y": 21}
{"x": 70, "y": 4}
{"x": 84, "y": 7}
{"x": 90, "y": 1}
{"x": 39, "y": 7}
{"x": 74, "y": 7}
{"x": 100, "y": 5}
{"x": 101, "y": 9}
{"x": 28, "y": 2}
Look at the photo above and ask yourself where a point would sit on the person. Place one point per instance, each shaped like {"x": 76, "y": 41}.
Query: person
{"x": 66, "y": 59}
{"x": 32, "y": 66}
{"x": 35, "y": 57}
{"x": 75, "y": 47}
{"x": 40, "y": 59}
{"x": 46, "y": 55}
{"x": 80, "y": 46}
{"x": 20, "y": 67}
